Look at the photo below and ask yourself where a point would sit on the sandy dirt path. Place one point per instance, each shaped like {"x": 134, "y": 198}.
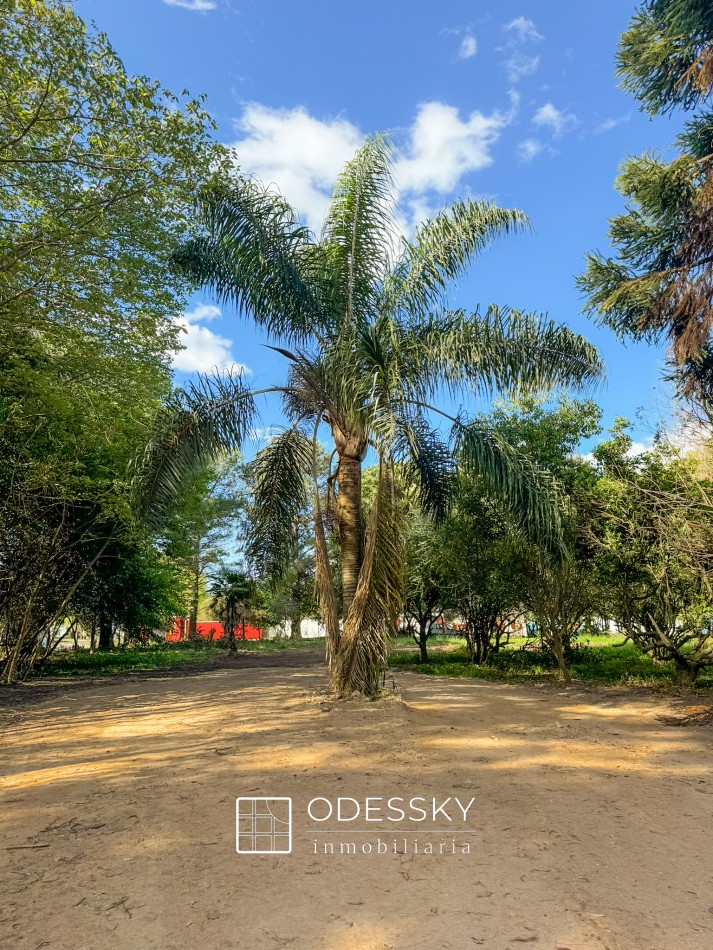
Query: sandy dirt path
{"x": 593, "y": 818}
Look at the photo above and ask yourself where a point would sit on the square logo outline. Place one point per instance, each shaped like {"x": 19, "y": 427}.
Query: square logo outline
{"x": 253, "y": 814}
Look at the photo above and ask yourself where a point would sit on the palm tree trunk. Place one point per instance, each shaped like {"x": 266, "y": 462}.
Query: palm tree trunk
{"x": 350, "y": 525}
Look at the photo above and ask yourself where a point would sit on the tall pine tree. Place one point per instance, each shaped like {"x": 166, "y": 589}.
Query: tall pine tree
{"x": 658, "y": 282}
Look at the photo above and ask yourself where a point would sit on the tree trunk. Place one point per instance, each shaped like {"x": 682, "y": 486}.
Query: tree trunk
{"x": 558, "y": 650}
{"x": 423, "y": 632}
{"x": 350, "y": 525}
{"x": 296, "y": 627}
{"x": 195, "y": 597}
{"x": 686, "y": 673}
{"x": 106, "y": 636}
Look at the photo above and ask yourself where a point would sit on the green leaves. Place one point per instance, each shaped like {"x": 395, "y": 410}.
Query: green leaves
{"x": 279, "y": 496}
{"x": 441, "y": 251}
{"x": 530, "y": 492}
{"x": 665, "y": 58}
{"x": 254, "y": 254}
{"x": 658, "y": 282}
{"x": 359, "y": 231}
{"x": 429, "y": 463}
{"x": 210, "y": 417}
{"x": 504, "y": 350}
{"x": 99, "y": 171}
{"x": 235, "y": 599}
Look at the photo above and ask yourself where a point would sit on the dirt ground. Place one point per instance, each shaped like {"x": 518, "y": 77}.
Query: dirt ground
{"x": 593, "y": 816}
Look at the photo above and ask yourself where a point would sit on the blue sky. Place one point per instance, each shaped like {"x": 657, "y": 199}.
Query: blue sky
{"x": 515, "y": 101}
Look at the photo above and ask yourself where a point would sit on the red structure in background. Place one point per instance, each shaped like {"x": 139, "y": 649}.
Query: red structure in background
{"x": 210, "y": 630}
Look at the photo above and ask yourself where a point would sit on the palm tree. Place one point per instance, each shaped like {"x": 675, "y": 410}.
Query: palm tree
{"x": 362, "y": 319}
{"x": 233, "y": 600}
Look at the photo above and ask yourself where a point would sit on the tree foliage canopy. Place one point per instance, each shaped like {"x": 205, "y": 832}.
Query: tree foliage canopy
{"x": 658, "y": 282}
{"x": 98, "y": 170}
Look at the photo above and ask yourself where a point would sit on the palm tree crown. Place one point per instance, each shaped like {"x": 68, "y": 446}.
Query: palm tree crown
{"x": 233, "y": 600}
{"x": 362, "y": 319}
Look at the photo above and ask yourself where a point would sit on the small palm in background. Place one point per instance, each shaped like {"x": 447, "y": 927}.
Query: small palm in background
{"x": 235, "y": 601}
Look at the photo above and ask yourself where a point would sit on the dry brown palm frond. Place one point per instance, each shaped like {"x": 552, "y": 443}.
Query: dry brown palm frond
{"x": 375, "y": 608}
{"x": 324, "y": 584}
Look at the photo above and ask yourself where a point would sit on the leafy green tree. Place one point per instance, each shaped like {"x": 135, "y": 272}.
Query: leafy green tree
{"x": 562, "y": 594}
{"x": 98, "y": 175}
{"x": 426, "y": 587}
{"x": 289, "y": 572}
{"x": 370, "y": 343}
{"x": 131, "y": 594}
{"x": 479, "y": 545}
{"x": 559, "y": 585}
{"x": 202, "y": 527}
{"x": 292, "y": 595}
{"x": 659, "y": 280}
{"x": 654, "y": 540}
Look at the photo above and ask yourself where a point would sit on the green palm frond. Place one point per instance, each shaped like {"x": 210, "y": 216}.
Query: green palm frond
{"x": 358, "y": 231}
{"x": 250, "y": 255}
{"x": 372, "y": 616}
{"x": 279, "y": 495}
{"x": 442, "y": 250}
{"x": 503, "y": 351}
{"x": 365, "y": 375}
{"x": 429, "y": 461}
{"x": 530, "y": 492}
{"x": 197, "y": 425}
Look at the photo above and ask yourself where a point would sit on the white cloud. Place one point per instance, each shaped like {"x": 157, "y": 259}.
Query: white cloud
{"x": 634, "y": 450}
{"x": 638, "y": 448}
{"x": 519, "y": 65}
{"x": 524, "y": 30}
{"x": 550, "y": 116}
{"x": 302, "y": 155}
{"x": 203, "y": 311}
{"x": 298, "y": 153}
{"x": 608, "y": 124}
{"x": 519, "y": 59}
{"x": 442, "y": 148}
{"x": 198, "y": 6}
{"x": 259, "y": 434}
{"x": 468, "y": 47}
{"x": 204, "y": 350}
{"x": 529, "y": 149}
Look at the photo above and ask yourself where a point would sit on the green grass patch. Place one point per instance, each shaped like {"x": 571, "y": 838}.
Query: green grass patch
{"x": 109, "y": 663}
{"x": 163, "y": 656}
{"x": 599, "y": 661}
{"x": 270, "y": 646}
